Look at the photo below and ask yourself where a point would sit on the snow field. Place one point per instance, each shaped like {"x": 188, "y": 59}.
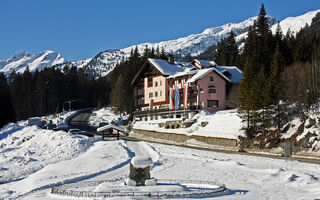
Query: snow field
{"x": 26, "y": 150}
{"x": 256, "y": 177}
{"x": 247, "y": 177}
{"x": 222, "y": 124}
{"x": 102, "y": 157}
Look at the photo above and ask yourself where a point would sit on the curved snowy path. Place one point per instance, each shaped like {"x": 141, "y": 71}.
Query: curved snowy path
{"x": 101, "y": 158}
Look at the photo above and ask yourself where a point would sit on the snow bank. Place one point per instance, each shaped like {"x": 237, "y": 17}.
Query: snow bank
{"x": 222, "y": 124}
{"x": 144, "y": 154}
{"x": 105, "y": 115}
{"x": 25, "y": 150}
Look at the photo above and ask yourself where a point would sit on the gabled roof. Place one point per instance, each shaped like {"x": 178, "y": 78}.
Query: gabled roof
{"x": 170, "y": 69}
{"x": 165, "y": 68}
{"x": 202, "y": 72}
{"x": 236, "y": 73}
{"x": 186, "y": 68}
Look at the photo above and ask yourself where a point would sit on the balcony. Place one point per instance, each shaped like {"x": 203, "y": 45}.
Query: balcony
{"x": 140, "y": 102}
{"x": 150, "y": 84}
{"x": 141, "y": 92}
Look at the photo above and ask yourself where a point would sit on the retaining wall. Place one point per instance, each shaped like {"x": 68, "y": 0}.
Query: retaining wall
{"x": 182, "y": 138}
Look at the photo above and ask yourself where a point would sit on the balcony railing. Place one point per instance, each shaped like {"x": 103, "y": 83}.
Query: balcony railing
{"x": 150, "y": 84}
{"x": 154, "y": 111}
{"x": 140, "y": 102}
{"x": 141, "y": 92}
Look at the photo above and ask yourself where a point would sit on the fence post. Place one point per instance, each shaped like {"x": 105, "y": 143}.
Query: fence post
{"x": 287, "y": 148}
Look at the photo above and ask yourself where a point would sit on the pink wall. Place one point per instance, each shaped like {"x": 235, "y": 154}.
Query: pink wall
{"x": 204, "y": 96}
{"x": 159, "y": 85}
{"x": 220, "y": 94}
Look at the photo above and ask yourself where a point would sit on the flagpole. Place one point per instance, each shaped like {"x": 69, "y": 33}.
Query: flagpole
{"x": 184, "y": 101}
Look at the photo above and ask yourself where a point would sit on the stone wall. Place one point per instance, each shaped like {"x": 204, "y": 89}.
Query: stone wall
{"x": 181, "y": 138}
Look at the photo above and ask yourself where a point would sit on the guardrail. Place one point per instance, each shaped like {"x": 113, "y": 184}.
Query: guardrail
{"x": 64, "y": 189}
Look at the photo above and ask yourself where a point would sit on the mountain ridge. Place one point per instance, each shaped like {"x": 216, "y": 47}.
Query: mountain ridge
{"x": 104, "y": 62}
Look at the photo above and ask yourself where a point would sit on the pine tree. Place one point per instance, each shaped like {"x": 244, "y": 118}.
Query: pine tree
{"x": 220, "y": 56}
{"x": 118, "y": 99}
{"x": 232, "y": 50}
{"x": 253, "y": 106}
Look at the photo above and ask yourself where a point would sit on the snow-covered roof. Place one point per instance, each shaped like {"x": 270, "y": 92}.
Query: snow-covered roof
{"x": 202, "y": 72}
{"x": 170, "y": 69}
{"x": 205, "y": 62}
{"x": 236, "y": 73}
{"x": 103, "y": 128}
{"x": 183, "y": 73}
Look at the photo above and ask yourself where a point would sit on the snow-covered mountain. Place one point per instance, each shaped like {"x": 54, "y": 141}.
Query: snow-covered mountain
{"x": 21, "y": 61}
{"x": 295, "y": 23}
{"x": 103, "y": 63}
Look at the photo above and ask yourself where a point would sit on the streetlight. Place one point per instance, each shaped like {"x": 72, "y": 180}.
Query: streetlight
{"x": 69, "y": 105}
{"x": 43, "y": 98}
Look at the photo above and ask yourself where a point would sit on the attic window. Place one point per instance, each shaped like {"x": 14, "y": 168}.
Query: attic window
{"x": 211, "y": 78}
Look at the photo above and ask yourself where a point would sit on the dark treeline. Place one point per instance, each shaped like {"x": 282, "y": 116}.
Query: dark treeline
{"x": 123, "y": 74}
{"x": 47, "y": 92}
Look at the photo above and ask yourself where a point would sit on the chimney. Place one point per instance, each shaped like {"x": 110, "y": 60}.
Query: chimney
{"x": 170, "y": 59}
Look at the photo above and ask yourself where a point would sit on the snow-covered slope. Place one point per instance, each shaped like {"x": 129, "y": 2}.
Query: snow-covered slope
{"x": 103, "y": 63}
{"x": 295, "y": 23}
{"x": 21, "y": 61}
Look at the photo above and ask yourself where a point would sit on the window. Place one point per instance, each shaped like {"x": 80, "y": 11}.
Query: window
{"x": 160, "y": 83}
{"x": 212, "y": 89}
{"x": 156, "y": 83}
{"x": 160, "y": 93}
{"x": 211, "y": 79}
{"x": 212, "y": 104}
{"x": 150, "y": 82}
{"x": 150, "y": 95}
{"x": 155, "y": 94}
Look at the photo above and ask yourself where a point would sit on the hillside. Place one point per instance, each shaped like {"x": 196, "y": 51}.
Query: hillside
{"x": 104, "y": 62}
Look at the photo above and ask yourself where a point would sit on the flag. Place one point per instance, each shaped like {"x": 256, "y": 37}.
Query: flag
{"x": 176, "y": 98}
{"x": 185, "y": 96}
{"x": 171, "y": 105}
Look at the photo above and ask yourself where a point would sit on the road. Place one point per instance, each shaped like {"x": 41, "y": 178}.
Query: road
{"x": 81, "y": 121}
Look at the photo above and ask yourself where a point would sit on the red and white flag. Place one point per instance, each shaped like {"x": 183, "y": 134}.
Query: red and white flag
{"x": 171, "y": 98}
{"x": 185, "y": 96}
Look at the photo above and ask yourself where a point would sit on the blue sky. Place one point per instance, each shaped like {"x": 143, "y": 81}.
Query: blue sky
{"x": 80, "y": 29}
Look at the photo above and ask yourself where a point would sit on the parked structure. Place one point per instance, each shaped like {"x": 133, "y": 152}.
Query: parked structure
{"x": 173, "y": 89}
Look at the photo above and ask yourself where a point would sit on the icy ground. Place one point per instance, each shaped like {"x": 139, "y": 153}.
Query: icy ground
{"x": 53, "y": 158}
